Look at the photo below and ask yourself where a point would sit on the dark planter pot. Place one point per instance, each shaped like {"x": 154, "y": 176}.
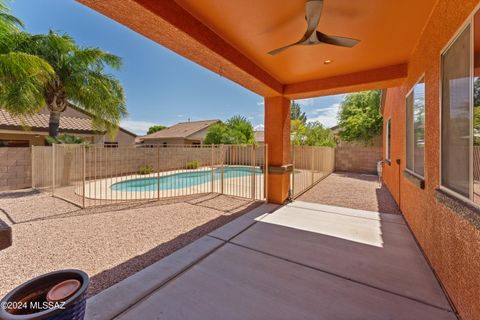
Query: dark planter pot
{"x": 35, "y": 290}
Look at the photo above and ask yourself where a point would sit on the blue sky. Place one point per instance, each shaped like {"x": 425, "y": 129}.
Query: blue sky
{"x": 155, "y": 79}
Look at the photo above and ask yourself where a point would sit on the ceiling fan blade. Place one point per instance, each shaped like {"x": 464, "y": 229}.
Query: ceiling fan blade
{"x": 313, "y": 11}
{"x": 277, "y": 51}
{"x": 337, "y": 41}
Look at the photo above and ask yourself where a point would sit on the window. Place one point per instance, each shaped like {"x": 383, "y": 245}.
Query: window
{"x": 460, "y": 136}
{"x": 388, "y": 138}
{"x": 110, "y": 144}
{"x": 415, "y": 102}
{"x": 14, "y": 143}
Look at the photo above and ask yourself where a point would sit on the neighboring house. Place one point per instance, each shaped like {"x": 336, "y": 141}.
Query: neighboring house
{"x": 32, "y": 130}
{"x": 182, "y": 133}
{"x": 259, "y": 136}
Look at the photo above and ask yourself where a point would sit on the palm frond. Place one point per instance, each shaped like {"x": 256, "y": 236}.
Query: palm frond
{"x": 8, "y": 22}
{"x": 22, "y": 81}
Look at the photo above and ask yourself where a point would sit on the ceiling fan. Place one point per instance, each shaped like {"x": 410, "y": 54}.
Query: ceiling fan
{"x": 313, "y": 11}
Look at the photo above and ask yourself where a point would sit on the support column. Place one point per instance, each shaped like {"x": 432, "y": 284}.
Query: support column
{"x": 277, "y": 137}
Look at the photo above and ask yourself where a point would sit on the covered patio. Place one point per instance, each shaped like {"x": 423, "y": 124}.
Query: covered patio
{"x": 304, "y": 260}
{"x": 299, "y": 261}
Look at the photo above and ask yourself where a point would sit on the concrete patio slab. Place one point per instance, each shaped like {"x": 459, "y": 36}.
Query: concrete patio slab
{"x": 377, "y": 253}
{"x": 110, "y": 303}
{"x": 238, "y": 283}
{"x": 294, "y": 263}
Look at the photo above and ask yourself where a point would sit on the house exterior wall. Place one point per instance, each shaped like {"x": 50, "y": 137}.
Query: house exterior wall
{"x": 122, "y": 137}
{"x": 199, "y": 135}
{"x": 449, "y": 240}
{"x": 32, "y": 138}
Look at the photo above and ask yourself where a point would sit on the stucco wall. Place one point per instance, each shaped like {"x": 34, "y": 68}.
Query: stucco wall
{"x": 15, "y": 168}
{"x": 450, "y": 242}
{"x": 33, "y": 139}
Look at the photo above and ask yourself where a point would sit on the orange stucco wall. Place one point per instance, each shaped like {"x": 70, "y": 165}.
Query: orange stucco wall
{"x": 451, "y": 243}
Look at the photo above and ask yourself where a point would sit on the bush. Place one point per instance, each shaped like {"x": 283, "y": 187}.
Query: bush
{"x": 146, "y": 169}
{"x": 192, "y": 164}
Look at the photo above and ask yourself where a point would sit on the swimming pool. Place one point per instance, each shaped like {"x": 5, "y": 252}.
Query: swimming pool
{"x": 182, "y": 179}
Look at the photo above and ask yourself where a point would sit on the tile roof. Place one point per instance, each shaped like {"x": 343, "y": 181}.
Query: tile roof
{"x": 40, "y": 122}
{"x": 180, "y": 130}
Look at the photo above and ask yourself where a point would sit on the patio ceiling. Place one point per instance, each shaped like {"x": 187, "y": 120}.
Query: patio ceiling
{"x": 232, "y": 38}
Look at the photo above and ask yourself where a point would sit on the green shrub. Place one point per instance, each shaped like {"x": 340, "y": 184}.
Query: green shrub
{"x": 146, "y": 169}
{"x": 192, "y": 164}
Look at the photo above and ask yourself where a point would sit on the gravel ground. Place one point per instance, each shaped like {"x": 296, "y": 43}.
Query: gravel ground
{"x": 352, "y": 190}
{"x": 110, "y": 243}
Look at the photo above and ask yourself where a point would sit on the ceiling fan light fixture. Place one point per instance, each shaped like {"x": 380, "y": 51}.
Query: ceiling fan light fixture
{"x": 328, "y": 61}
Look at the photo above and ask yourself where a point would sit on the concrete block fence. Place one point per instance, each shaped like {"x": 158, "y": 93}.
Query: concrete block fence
{"x": 15, "y": 168}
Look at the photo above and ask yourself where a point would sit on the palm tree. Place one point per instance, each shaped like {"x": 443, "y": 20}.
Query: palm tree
{"x": 19, "y": 71}
{"x": 79, "y": 77}
{"x": 52, "y": 70}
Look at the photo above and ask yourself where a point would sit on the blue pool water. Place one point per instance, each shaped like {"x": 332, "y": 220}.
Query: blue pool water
{"x": 182, "y": 179}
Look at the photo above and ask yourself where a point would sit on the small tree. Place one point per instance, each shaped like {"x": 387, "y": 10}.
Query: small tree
{"x": 319, "y": 136}
{"x": 155, "y": 128}
{"x": 296, "y": 112}
{"x": 298, "y": 130}
{"x": 359, "y": 116}
{"x": 236, "y": 130}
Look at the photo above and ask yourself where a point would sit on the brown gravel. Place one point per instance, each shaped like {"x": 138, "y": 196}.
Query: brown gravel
{"x": 352, "y": 190}
{"x": 110, "y": 243}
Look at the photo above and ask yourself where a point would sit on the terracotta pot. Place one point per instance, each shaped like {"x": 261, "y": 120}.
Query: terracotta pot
{"x": 29, "y": 300}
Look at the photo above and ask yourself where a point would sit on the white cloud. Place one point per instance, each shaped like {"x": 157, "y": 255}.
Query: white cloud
{"x": 138, "y": 127}
{"x": 260, "y": 103}
{"x": 259, "y": 127}
{"x": 306, "y": 102}
{"x": 327, "y": 115}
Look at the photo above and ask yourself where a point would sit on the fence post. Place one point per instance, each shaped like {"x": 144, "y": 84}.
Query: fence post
{"x": 293, "y": 170}
{"x": 265, "y": 172}
{"x": 158, "y": 172}
{"x": 53, "y": 169}
{"x": 312, "y": 164}
{"x": 32, "y": 161}
{"x": 83, "y": 175}
{"x": 212, "y": 168}
{"x": 253, "y": 162}
{"x": 221, "y": 169}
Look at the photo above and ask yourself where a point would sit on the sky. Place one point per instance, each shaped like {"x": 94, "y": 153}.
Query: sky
{"x": 156, "y": 79}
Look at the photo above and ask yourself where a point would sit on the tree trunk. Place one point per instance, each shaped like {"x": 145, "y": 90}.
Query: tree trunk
{"x": 54, "y": 123}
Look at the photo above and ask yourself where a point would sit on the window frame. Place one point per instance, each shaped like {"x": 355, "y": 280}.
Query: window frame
{"x": 469, "y": 22}
{"x": 420, "y": 79}
{"x": 388, "y": 138}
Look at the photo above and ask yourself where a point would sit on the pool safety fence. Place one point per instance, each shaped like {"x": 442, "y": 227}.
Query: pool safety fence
{"x": 310, "y": 166}
{"x": 90, "y": 175}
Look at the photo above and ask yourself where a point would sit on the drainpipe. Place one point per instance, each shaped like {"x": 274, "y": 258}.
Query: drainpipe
{"x": 398, "y": 161}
